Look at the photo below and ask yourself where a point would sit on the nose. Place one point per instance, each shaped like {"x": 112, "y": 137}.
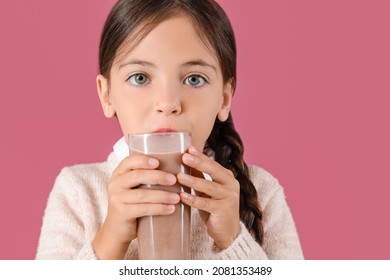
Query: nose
{"x": 168, "y": 102}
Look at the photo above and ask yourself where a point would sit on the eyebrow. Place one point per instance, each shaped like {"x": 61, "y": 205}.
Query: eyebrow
{"x": 137, "y": 62}
{"x": 196, "y": 62}
{"x": 199, "y": 62}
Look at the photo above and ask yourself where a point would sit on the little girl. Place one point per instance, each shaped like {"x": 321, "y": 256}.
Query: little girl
{"x": 169, "y": 66}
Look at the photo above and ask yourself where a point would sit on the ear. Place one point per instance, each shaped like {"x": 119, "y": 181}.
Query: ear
{"x": 228, "y": 91}
{"x": 104, "y": 96}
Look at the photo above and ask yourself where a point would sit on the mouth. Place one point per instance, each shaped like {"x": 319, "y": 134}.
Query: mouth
{"x": 165, "y": 130}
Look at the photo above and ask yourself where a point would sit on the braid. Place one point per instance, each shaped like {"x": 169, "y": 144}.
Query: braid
{"x": 225, "y": 141}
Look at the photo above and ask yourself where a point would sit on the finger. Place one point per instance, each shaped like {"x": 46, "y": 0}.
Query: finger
{"x": 140, "y": 210}
{"x": 209, "y": 188}
{"x": 203, "y": 163}
{"x": 145, "y": 196}
{"x": 135, "y": 162}
{"x": 201, "y": 203}
{"x": 142, "y": 177}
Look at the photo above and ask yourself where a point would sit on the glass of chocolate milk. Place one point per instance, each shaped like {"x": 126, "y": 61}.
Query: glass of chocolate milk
{"x": 164, "y": 237}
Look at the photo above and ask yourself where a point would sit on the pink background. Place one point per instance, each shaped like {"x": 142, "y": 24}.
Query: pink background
{"x": 312, "y": 106}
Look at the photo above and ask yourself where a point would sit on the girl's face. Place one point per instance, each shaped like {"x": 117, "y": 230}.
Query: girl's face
{"x": 169, "y": 81}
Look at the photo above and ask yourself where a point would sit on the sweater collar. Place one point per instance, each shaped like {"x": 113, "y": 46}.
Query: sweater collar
{"x": 121, "y": 149}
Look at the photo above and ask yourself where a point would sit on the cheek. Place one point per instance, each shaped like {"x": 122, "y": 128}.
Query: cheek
{"x": 202, "y": 126}
{"x": 130, "y": 112}
{"x": 204, "y": 112}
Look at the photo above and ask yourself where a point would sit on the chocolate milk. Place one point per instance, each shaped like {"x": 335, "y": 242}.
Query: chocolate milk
{"x": 166, "y": 237}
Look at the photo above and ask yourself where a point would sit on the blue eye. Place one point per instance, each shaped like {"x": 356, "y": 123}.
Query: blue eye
{"x": 195, "y": 81}
{"x": 138, "y": 79}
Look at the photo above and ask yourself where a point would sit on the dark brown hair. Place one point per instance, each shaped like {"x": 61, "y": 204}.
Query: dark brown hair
{"x": 131, "y": 20}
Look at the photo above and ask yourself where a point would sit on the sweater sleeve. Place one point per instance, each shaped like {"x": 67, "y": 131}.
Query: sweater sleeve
{"x": 281, "y": 241}
{"x": 62, "y": 233}
{"x": 244, "y": 247}
{"x": 280, "y": 235}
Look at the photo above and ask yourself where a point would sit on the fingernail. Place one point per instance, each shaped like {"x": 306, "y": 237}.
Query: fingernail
{"x": 171, "y": 178}
{"x": 174, "y": 197}
{"x": 186, "y": 196}
{"x": 189, "y": 157}
{"x": 184, "y": 177}
{"x": 171, "y": 207}
{"x": 193, "y": 150}
{"x": 153, "y": 161}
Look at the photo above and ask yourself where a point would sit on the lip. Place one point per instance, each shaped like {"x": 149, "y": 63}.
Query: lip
{"x": 164, "y": 129}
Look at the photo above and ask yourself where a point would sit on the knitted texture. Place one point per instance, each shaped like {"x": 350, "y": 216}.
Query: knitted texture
{"x": 77, "y": 207}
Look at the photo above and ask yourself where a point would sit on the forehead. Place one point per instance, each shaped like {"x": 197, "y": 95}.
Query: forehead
{"x": 176, "y": 34}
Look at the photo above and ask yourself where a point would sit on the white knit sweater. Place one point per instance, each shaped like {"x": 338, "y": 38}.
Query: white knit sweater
{"x": 77, "y": 207}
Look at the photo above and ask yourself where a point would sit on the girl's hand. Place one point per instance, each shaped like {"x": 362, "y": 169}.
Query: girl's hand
{"x": 219, "y": 199}
{"x": 126, "y": 203}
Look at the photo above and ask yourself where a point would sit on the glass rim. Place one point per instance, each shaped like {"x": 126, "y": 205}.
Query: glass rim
{"x": 160, "y": 133}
